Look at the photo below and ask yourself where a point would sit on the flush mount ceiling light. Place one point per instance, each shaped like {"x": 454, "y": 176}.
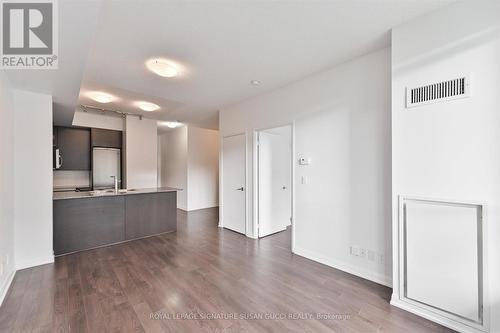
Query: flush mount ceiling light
{"x": 162, "y": 67}
{"x": 101, "y": 97}
{"x": 147, "y": 106}
{"x": 255, "y": 82}
{"x": 170, "y": 124}
{"x": 173, "y": 124}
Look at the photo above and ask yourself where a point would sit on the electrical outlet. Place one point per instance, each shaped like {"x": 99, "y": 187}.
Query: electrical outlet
{"x": 305, "y": 180}
{"x": 381, "y": 259}
{"x": 362, "y": 253}
{"x": 304, "y": 161}
{"x": 354, "y": 251}
{"x": 371, "y": 255}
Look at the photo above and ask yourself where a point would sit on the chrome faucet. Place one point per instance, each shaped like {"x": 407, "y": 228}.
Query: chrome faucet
{"x": 115, "y": 179}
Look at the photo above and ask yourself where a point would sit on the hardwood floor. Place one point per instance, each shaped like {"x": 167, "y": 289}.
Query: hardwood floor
{"x": 199, "y": 269}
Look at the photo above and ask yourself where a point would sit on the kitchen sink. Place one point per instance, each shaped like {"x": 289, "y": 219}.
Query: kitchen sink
{"x": 126, "y": 190}
{"x": 96, "y": 193}
{"x": 104, "y": 192}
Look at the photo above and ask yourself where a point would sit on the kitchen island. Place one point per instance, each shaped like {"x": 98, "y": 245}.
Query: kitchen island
{"x": 86, "y": 220}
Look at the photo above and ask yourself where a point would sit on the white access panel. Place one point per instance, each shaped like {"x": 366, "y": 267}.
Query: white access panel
{"x": 443, "y": 256}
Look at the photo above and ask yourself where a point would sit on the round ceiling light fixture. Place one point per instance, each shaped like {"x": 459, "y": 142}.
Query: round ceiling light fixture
{"x": 170, "y": 124}
{"x": 255, "y": 82}
{"x": 147, "y": 106}
{"x": 101, "y": 97}
{"x": 162, "y": 67}
{"x": 173, "y": 124}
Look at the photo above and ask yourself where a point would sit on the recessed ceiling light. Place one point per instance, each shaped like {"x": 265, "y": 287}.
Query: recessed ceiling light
{"x": 146, "y": 106}
{"x": 255, "y": 82}
{"x": 162, "y": 67}
{"x": 101, "y": 97}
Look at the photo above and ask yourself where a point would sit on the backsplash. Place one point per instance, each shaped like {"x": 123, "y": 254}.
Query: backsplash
{"x": 70, "y": 179}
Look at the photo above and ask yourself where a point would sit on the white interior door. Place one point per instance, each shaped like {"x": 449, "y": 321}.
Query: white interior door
{"x": 233, "y": 183}
{"x": 275, "y": 196}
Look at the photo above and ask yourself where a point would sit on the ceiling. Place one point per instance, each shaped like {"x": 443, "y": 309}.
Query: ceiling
{"x": 220, "y": 47}
{"x": 77, "y": 23}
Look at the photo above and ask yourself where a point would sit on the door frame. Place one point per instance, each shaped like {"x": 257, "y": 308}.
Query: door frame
{"x": 255, "y": 176}
{"x": 221, "y": 180}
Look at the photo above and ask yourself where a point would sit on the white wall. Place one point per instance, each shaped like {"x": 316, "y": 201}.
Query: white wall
{"x": 141, "y": 144}
{"x": 203, "y": 168}
{"x": 343, "y": 123}
{"x": 32, "y": 179}
{"x": 451, "y": 150}
{"x": 173, "y": 165}
{"x": 189, "y": 160}
{"x": 7, "y": 264}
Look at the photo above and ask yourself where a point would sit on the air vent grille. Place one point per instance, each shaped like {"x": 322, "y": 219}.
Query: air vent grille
{"x": 437, "y": 92}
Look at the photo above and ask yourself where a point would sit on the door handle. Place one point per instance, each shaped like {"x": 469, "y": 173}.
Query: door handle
{"x": 283, "y": 188}
{"x": 240, "y": 189}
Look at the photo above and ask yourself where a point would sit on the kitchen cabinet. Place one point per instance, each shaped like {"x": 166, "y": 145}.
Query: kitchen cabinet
{"x": 74, "y": 147}
{"x": 106, "y": 138}
{"x": 81, "y": 224}
{"x": 150, "y": 214}
{"x": 54, "y": 137}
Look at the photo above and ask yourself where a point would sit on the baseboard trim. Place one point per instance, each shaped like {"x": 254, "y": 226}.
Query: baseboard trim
{"x": 32, "y": 263}
{"x": 6, "y": 286}
{"x": 195, "y": 209}
{"x": 116, "y": 243}
{"x": 374, "y": 277}
{"x": 459, "y": 327}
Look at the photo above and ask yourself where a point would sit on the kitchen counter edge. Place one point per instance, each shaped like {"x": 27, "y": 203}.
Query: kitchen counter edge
{"x": 88, "y": 195}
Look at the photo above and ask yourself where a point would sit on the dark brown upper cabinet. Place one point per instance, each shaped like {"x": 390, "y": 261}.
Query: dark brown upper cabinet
{"x": 54, "y": 137}
{"x": 106, "y": 138}
{"x": 74, "y": 147}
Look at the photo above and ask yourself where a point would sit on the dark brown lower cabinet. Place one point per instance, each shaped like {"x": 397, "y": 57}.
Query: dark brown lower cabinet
{"x": 81, "y": 224}
{"x": 149, "y": 214}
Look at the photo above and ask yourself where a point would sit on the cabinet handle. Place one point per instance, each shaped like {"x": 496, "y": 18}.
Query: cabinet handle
{"x": 240, "y": 189}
